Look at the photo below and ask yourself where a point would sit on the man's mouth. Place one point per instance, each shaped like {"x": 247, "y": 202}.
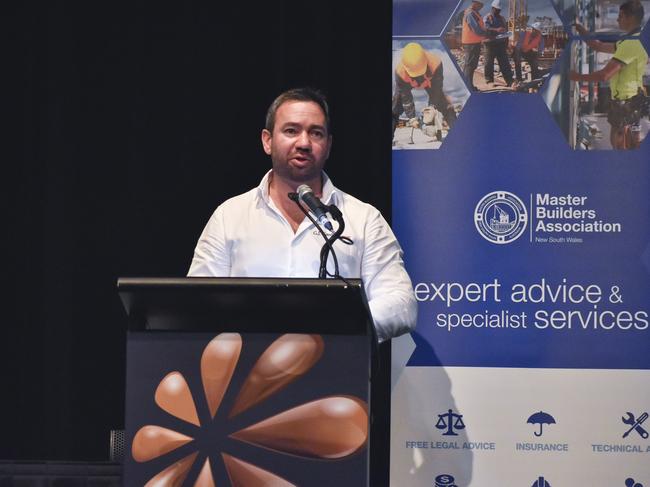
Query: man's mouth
{"x": 301, "y": 160}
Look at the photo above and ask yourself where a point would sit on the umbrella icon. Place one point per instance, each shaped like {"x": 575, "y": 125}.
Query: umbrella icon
{"x": 541, "y": 418}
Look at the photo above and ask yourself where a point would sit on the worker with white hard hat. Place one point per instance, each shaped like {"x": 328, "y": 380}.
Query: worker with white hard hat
{"x": 496, "y": 45}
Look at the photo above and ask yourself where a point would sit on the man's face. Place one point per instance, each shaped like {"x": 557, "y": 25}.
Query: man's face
{"x": 299, "y": 144}
{"x": 477, "y": 5}
{"x": 625, "y": 22}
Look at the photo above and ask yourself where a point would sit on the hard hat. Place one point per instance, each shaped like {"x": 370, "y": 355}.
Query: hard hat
{"x": 496, "y": 4}
{"x": 537, "y": 25}
{"x": 414, "y": 59}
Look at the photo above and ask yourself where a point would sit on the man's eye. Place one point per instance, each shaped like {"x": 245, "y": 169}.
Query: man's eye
{"x": 290, "y": 131}
{"x": 317, "y": 134}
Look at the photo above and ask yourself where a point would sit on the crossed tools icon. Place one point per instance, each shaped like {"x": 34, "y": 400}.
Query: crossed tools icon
{"x": 635, "y": 424}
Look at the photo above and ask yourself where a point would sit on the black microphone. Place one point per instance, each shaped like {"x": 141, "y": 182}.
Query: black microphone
{"x": 308, "y": 197}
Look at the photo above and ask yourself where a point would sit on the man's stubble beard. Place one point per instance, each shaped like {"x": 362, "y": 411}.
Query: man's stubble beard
{"x": 291, "y": 174}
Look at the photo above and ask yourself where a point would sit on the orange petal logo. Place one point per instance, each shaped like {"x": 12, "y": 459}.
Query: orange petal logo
{"x": 330, "y": 428}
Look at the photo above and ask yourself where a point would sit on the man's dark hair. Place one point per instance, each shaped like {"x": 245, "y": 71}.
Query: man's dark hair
{"x": 297, "y": 94}
{"x": 633, "y": 8}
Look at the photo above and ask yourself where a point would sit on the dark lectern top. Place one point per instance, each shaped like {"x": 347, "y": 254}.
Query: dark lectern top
{"x": 246, "y": 305}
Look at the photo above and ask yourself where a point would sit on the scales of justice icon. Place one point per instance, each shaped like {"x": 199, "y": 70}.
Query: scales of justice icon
{"x": 450, "y": 421}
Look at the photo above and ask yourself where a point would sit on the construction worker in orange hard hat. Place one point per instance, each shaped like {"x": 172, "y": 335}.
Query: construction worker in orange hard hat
{"x": 419, "y": 69}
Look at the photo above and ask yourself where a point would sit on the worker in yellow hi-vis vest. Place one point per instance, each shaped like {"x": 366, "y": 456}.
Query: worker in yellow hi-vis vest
{"x": 624, "y": 71}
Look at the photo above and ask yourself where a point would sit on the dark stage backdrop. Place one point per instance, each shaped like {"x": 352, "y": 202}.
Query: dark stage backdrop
{"x": 129, "y": 122}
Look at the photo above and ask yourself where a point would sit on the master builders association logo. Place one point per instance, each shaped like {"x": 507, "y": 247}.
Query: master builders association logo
{"x": 500, "y": 217}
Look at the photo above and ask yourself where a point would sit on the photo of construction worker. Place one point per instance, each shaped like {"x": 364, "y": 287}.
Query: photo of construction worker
{"x": 496, "y": 45}
{"x": 528, "y": 47}
{"x": 428, "y": 94}
{"x": 612, "y": 79}
{"x": 506, "y": 45}
{"x": 601, "y": 16}
{"x": 473, "y": 34}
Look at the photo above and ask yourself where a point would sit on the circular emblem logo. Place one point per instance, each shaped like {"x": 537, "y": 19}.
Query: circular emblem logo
{"x": 500, "y": 217}
{"x": 445, "y": 481}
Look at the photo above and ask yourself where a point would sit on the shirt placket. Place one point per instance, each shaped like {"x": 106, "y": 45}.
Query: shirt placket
{"x": 294, "y": 240}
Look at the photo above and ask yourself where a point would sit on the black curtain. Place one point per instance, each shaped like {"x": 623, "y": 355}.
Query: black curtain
{"x": 128, "y": 123}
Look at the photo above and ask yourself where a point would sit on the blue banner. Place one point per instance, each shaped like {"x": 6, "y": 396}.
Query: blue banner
{"x": 521, "y": 185}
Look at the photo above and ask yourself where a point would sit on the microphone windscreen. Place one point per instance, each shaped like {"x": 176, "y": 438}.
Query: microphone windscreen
{"x": 303, "y": 189}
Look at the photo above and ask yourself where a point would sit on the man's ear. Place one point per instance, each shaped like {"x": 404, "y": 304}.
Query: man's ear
{"x": 267, "y": 139}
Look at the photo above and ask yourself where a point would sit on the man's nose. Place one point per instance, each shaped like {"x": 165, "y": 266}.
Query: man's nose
{"x": 304, "y": 142}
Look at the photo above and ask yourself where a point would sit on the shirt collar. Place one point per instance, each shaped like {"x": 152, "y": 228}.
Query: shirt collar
{"x": 330, "y": 192}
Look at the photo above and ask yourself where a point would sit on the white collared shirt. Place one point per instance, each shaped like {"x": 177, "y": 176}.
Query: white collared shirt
{"x": 247, "y": 236}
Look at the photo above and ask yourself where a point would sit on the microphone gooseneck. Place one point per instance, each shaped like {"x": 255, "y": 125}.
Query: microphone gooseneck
{"x": 307, "y": 196}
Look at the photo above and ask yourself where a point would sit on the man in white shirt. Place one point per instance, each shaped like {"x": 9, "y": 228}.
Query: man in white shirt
{"x": 263, "y": 233}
